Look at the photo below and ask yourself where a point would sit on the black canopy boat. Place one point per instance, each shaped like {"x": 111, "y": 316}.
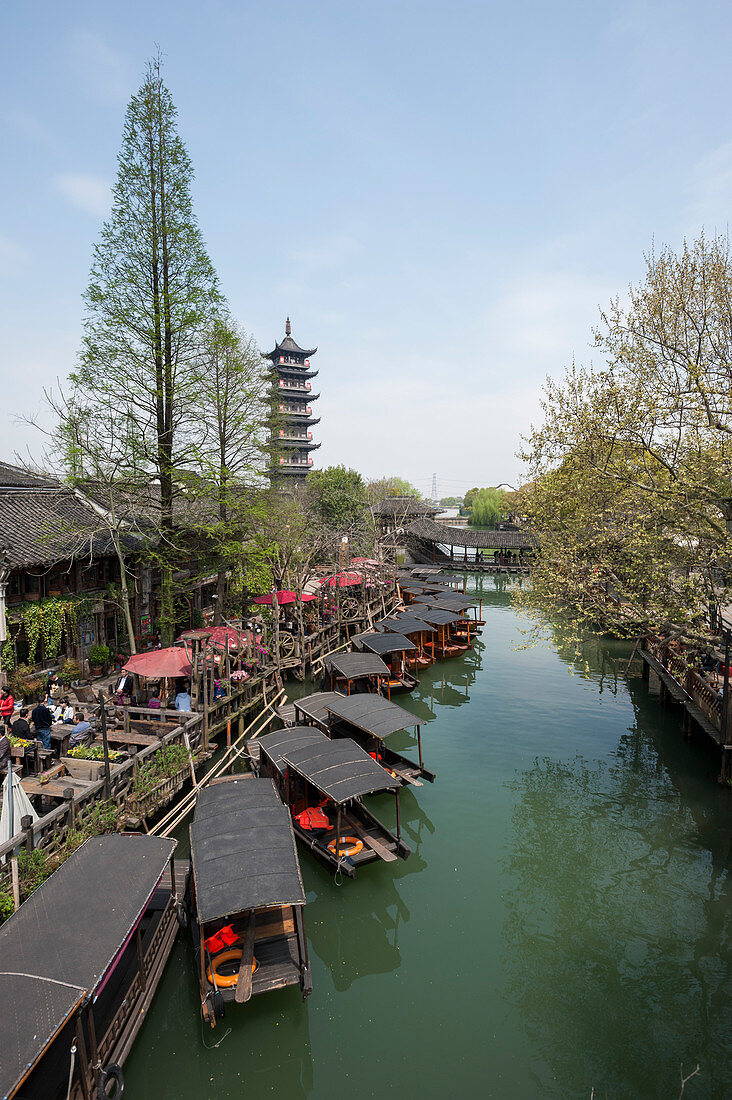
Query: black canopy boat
{"x": 417, "y": 631}
{"x": 393, "y": 648}
{"x": 444, "y": 620}
{"x": 247, "y": 895}
{"x": 80, "y": 962}
{"x": 312, "y": 710}
{"x": 324, "y": 783}
{"x": 459, "y": 603}
{"x": 353, "y": 672}
{"x": 369, "y": 720}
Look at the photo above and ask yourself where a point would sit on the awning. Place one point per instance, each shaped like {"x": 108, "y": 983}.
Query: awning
{"x": 437, "y": 616}
{"x": 342, "y": 580}
{"x": 243, "y": 850}
{"x": 315, "y": 706}
{"x": 158, "y": 664}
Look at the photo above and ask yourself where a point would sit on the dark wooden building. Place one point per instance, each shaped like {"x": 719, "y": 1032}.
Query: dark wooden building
{"x": 293, "y": 440}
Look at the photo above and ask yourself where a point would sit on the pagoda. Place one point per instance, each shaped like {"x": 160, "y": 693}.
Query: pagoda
{"x": 293, "y": 436}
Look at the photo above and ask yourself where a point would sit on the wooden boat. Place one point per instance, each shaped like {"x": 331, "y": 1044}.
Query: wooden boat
{"x": 416, "y": 631}
{"x": 444, "y": 620}
{"x": 325, "y": 781}
{"x": 353, "y": 672}
{"x": 393, "y": 648}
{"x": 247, "y": 896}
{"x": 80, "y": 962}
{"x": 369, "y": 720}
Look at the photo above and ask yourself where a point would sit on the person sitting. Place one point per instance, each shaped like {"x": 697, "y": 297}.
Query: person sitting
{"x": 43, "y": 720}
{"x": 68, "y": 717}
{"x": 154, "y": 701}
{"x": 20, "y": 727}
{"x": 7, "y": 705}
{"x": 80, "y": 732}
{"x": 183, "y": 701}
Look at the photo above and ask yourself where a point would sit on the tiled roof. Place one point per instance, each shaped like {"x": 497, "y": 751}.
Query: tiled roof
{"x": 42, "y": 526}
{"x": 467, "y": 536}
{"x": 18, "y": 477}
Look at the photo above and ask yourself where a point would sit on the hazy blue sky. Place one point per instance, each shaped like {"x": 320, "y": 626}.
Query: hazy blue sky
{"x": 439, "y": 194}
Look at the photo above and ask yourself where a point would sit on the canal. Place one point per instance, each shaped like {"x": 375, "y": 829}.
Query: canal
{"x": 562, "y": 924}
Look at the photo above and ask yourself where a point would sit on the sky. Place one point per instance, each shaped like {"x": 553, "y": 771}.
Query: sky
{"x": 439, "y": 195}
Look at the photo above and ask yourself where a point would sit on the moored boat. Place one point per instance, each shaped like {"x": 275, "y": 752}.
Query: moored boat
{"x": 247, "y": 896}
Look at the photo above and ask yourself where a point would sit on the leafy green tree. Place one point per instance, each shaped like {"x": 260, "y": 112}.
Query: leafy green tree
{"x": 451, "y": 502}
{"x": 632, "y": 465}
{"x": 150, "y": 302}
{"x": 338, "y": 496}
{"x": 487, "y": 505}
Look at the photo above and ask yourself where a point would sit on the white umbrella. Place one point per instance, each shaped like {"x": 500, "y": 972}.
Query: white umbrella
{"x": 16, "y": 805}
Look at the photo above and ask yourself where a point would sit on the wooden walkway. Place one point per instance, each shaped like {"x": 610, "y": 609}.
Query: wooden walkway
{"x": 677, "y": 693}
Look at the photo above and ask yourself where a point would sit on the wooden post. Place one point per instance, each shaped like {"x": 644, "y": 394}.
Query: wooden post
{"x": 205, "y": 698}
{"x": 105, "y": 747}
{"x": 15, "y": 881}
{"x": 26, "y": 824}
{"x": 398, "y": 823}
{"x": 419, "y": 745}
{"x": 83, "y": 1059}
{"x": 69, "y": 796}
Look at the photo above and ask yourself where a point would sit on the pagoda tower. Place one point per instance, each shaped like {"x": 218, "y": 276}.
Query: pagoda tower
{"x": 293, "y": 439}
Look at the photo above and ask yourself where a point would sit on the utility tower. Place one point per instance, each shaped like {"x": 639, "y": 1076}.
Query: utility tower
{"x": 433, "y": 494}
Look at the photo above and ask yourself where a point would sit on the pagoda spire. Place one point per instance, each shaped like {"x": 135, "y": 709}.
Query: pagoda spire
{"x": 288, "y": 327}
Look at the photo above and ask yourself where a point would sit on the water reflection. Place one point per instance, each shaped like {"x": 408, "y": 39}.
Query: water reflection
{"x": 617, "y": 928}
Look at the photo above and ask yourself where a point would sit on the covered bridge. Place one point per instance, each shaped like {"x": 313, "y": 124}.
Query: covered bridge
{"x": 430, "y": 542}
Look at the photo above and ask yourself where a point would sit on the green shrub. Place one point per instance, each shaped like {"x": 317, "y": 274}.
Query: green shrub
{"x": 93, "y": 752}
{"x": 68, "y": 673}
{"x": 7, "y": 906}
{"x": 163, "y": 764}
{"x": 98, "y": 655}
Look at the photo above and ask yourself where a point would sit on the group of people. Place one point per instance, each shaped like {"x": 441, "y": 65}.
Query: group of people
{"x": 42, "y": 717}
{"x": 178, "y": 699}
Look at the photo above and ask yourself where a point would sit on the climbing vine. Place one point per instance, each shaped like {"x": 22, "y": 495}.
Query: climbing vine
{"x": 48, "y": 619}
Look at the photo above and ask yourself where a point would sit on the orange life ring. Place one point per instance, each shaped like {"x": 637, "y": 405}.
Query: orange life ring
{"x": 223, "y": 981}
{"x": 354, "y": 846}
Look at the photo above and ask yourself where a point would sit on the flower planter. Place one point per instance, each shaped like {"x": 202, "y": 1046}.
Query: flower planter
{"x": 85, "y": 769}
{"x": 144, "y": 805}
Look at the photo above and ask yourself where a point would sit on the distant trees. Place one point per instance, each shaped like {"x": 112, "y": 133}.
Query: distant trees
{"x": 485, "y": 506}
{"x": 391, "y": 487}
{"x": 451, "y": 502}
{"x": 632, "y": 466}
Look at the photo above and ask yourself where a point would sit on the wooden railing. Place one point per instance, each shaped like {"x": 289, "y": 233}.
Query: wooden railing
{"x": 706, "y": 697}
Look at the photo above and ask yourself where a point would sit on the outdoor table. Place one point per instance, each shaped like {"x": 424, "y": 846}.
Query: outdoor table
{"x": 119, "y": 737}
{"x": 60, "y": 736}
{"x": 54, "y": 788}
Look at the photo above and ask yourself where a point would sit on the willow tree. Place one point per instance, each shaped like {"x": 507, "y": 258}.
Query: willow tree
{"x": 150, "y": 300}
{"x": 632, "y": 466}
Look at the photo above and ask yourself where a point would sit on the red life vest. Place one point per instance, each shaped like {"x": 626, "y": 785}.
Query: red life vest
{"x": 313, "y": 818}
{"x": 220, "y": 940}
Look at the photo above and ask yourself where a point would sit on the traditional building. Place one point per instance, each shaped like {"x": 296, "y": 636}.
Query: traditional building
{"x": 293, "y": 439}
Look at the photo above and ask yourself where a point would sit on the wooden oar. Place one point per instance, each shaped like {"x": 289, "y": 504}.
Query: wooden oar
{"x": 244, "y": 982}
{"x": 375, "y": 845}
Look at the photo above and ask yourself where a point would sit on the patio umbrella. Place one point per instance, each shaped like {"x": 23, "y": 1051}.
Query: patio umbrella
{"x": 342, "y": 580}
{"x": 283, "y": 597}
{"x": 158, "y": 664}
{"x": 16, "y": 804}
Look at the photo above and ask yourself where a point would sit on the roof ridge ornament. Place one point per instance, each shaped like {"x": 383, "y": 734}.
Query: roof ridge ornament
{"x": 288, "y": 327}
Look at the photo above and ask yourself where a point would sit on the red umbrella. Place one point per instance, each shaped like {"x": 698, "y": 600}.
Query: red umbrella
{"x": 222, "y": 636}
{"x": 342, "y": 580}
{"x": 158, "y": 664}
{"x": 285, "y": 596}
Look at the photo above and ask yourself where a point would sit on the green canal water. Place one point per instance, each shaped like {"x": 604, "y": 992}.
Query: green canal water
{"x": 562, "y": 925}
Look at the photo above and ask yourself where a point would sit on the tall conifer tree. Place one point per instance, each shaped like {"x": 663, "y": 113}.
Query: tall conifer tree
{"x": 151, "y": 298}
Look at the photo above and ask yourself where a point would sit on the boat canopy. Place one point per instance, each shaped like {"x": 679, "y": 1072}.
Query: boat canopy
{"x": 451, "y": 603}
{"x": 275, "y": 745}
{"x": 373, "y": 714}
{"x": 437, "y": 616}
{"x": 243, "y": 850}
{"x": 383, "y": 643}
{"x": 340, "y": 769}
{"x": 72, "y": 929}
{"x": 315, "y": 706}
{"x": 355, "y": 665}
{"x": 404, "y": 623}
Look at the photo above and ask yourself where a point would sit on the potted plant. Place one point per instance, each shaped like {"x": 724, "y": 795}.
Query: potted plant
{"x": 98, "y": 656}
{"x": 26, "y": 683}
